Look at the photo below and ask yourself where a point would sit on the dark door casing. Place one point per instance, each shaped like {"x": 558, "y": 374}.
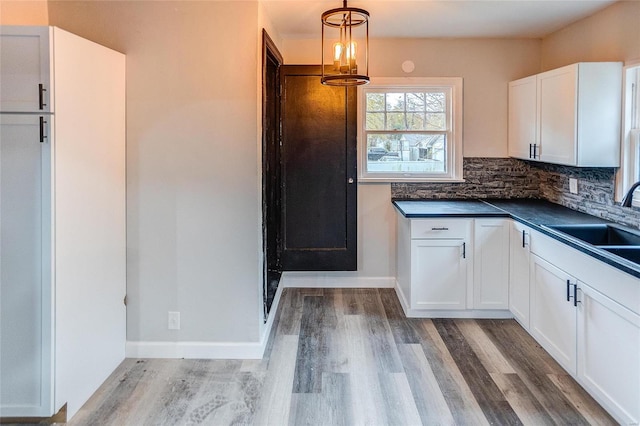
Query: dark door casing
{"x": 318, "y": 160}
{"x": 271, "y": 179}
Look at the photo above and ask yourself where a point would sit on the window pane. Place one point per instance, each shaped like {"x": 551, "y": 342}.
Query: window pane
{"x": 406, "y": 153}
{"x": 375, "y": 101}
{"x": 395, "y": 121}
{"x": 395, "y": 101}
{"x": 415, "y": 101}
{"x": 415, "y": 121}
{"x": 436, "y": 102}
{"x": 375, "y": 121}
{"x": 436, "y": 121}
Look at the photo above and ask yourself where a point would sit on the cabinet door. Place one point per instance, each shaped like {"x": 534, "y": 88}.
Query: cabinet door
{"x": 557, "y": 114}
{"x": 553, "y": 318}
{"x": 24, "y": 66}
{"x": 608, "y": 354}
{"x": 522, "y": 117}
{"x": 25, "y": 284}
{"x": 438, "y": 274}
{"x": 519, "y": 273}
{"x": 491, "y": 264}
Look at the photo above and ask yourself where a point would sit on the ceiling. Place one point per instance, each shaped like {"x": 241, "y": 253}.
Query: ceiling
{"x": 438, "y": 18}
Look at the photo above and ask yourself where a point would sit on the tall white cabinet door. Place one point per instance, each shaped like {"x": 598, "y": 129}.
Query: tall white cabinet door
{"x": 438, "y": 274}
{"x": 24, "y": 69}
{"x": 609, "y": 354}
{"x": 25, "y": 296}
{"x": 522, "y": 117}
{"x": 557, "y": 94}
{"x": 553, "y": 318}
{"x": 491, "y": 264}
{"x": 90, "y": 216}
{"x": 519, "y": 273}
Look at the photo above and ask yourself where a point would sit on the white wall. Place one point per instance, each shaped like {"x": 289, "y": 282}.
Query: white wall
{"x": 486, "y": 65}
{"x": 193, "y": 194}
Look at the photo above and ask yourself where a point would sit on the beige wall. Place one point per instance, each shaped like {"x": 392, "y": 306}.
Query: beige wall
{"x": 612, "y": 34}
{"x": 193, "y": 194}
{"x": 23, "y": 12}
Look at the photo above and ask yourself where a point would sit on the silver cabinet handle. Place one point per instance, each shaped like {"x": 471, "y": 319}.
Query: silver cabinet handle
{"x": 440, "y": 229}
{"x": 350, "y": 180}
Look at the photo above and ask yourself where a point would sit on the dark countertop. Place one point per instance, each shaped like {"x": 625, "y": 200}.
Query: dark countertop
{"x": 537, "y": 214}
{"x": 448, "y": 208}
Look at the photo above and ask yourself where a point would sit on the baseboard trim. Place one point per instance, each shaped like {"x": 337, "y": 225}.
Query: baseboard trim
{"x": 328, "y": 280}
{"x": 207, "y": 350}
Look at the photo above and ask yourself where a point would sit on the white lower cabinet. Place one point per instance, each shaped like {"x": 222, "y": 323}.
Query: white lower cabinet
{"x": 438, "y": 274}
{"x": 456, "y": 268}
{"x": 553, "y": 317}
{"x": 491, "y": 264}
{"x": 519, "y": 255}
{"x": 609, "y": 353}
{"x": 586, "y": 315}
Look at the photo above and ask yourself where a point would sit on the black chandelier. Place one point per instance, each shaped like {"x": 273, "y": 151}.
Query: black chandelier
{"x": 349, "y": 26}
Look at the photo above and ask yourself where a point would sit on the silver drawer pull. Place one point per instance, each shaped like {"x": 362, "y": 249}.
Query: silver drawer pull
{"x": 440, "y": 229}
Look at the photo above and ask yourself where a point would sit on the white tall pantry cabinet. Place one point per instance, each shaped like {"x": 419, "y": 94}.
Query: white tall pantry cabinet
{"x": 62, "y": 216}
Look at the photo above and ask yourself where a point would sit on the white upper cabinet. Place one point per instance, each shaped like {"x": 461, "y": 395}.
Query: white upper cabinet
{"x": 25, "y": 69}
{"x": 522, "y": 117}
{"x": 577, "y": 115}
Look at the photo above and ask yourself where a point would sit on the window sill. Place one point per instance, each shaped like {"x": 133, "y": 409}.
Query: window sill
{"x": 408, "y": 180}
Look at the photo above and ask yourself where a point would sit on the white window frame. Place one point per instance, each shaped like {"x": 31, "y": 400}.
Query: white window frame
{"x": 629, "y": 171}
{"x": 454, "y": 134}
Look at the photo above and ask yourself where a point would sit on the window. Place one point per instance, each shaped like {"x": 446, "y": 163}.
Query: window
{"x": 630, "y": 165}
{"x": 410, "y": 129}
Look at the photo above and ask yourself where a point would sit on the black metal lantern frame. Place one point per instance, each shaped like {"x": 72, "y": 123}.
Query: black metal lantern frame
{"x": 345, "y": 23}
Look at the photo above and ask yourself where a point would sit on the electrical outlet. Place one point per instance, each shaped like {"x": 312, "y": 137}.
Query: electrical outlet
{"x": 573, "y": 185}
{"x": 174, "y": 320}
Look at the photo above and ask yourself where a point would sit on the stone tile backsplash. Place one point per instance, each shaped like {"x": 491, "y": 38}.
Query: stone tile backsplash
{"x": 512, "y": 178}
{"x": 596, "y": 189}
{"x": 484, "y": 178}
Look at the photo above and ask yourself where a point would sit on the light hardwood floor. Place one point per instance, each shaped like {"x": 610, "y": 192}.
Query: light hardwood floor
{"x": 350, "y": 357}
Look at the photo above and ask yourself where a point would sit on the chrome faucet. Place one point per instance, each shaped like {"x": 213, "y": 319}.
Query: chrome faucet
{"x": 628, "y": 199}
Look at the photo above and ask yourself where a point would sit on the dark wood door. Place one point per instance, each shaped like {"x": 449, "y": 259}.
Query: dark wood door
{"x": 319, "y": 188}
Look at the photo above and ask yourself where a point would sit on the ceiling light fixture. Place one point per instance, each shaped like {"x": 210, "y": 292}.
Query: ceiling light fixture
{"x": 350, "y": 27}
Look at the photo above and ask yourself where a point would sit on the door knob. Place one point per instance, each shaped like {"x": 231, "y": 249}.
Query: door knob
{"x": 350, "y": 180}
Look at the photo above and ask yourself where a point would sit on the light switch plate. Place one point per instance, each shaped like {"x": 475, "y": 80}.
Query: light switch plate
{"x": 573, "y": 185}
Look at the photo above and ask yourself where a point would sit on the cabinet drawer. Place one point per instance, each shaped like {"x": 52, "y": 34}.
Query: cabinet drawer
{"x": 440, "y": 228}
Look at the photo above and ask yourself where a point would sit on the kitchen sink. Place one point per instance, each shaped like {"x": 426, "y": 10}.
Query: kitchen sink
{"x": 600, "y": 235}
{"x": 631, "y": 253}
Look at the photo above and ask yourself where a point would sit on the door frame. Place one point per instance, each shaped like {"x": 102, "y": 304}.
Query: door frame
{"x": 271, "y": 53}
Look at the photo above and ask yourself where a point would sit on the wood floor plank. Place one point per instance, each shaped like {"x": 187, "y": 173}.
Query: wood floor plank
{"x": 484, "y": 348}
{"x": 532, "y": 367}
{"x": 526, "y": 406}
{"x": 462, "y": 404}
{"x": 425, "y": 391}
{"x": 366, "y": 393}
{"x": 380, "y": 337}
{"x": 493, "y": 402}
{"x": 275, "y": 402}
{"x": 581, "y": 400}
{"x": 313, "y": 345}
{"x": 399, "y": 404}
{"x": 401, "y": 328}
